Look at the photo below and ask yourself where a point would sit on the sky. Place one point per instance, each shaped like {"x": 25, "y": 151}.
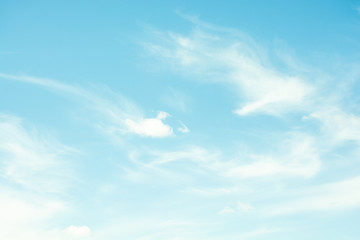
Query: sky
{"x": 179, "y": 120}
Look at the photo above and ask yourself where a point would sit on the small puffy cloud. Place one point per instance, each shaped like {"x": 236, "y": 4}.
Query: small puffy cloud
{"x": 78, "y": 231}
{"x": 150, "y": 127}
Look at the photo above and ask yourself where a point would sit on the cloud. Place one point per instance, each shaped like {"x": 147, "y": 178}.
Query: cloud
{"x": 298, "y": 156}
{"x": 150, "y": 127}
{"x": 162, "y": 160}
{"x": 268, "y": 167}
{"x": 20, "y": 208}
{"x": 78, "y": 231}
{"x": 27, "y": 215}
{"x": 245, "y": 207}
{"x": 46, "y": 82}
{"x": 116, "y": 115}
{"x": 183, "y": 128}
{"x": 34, "y": 178}
{"x": 333, "y": 196}
{"x": 228, "y": 57}
{"x": 338, "y": 125}
{"x": 226, "y": 210}
{"x": 32, "y": 160}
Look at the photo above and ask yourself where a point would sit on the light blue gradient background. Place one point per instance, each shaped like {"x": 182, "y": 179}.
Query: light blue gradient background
{"x": 103, "y": 48}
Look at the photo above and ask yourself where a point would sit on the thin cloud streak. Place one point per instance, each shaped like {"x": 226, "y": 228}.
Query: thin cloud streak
{"x": 335, "y": 196}
{"x": 298, "y": 157}
{"x": 116, "y": 117}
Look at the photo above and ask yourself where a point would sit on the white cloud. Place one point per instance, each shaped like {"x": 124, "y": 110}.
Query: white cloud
{"x": 34, "y": 178}
{"x": 46, "y": 82}
{"x": 328, "y": 197}
{"x": 297, "y": 157}
{"x": 115, "y": 114}
{"x": 270, "y": 168}
{"x": 183, "y": 128}
{"x": 26, "y": 208}
{"x": 221, "y": 56}
{"x": 155, "y": 159}
{"x": 78, "y": 231}
{"x": 150, "y": 127}
{"x": 31, "y": 159}
{"x": 338, "y": 125}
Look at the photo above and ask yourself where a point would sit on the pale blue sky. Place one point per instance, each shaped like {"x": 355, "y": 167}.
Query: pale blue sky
{"x": 179, "y": 120}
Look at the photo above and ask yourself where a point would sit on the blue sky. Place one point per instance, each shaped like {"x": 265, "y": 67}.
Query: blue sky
{"x": 179, "y": 120}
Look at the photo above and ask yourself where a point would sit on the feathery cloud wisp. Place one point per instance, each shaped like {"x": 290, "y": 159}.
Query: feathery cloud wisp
{"x": 231, "y": 58}
{"x": 31, "y": 160}
{"x": 328, "y": 197}
{"x": 117, "y": 116}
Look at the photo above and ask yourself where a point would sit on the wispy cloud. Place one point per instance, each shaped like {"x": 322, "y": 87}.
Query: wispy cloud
{"x": 115, "y": 114}
{"x": 32, "y": 160}
{"x": 29, "y": 212}
{"x": 226, "y": 210}
{"x": 245, "y": 207}
{"x": 337, "y": 125}
{"x": 228, "y": 57}
{"x": 78, "y": 231}
{"x": 240, "y": 206}
{"x": 328, "y": 197}
{"x": 35, "y": 175}
{"x": 183, "y": 128}
{"x": 297, "y": 156}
